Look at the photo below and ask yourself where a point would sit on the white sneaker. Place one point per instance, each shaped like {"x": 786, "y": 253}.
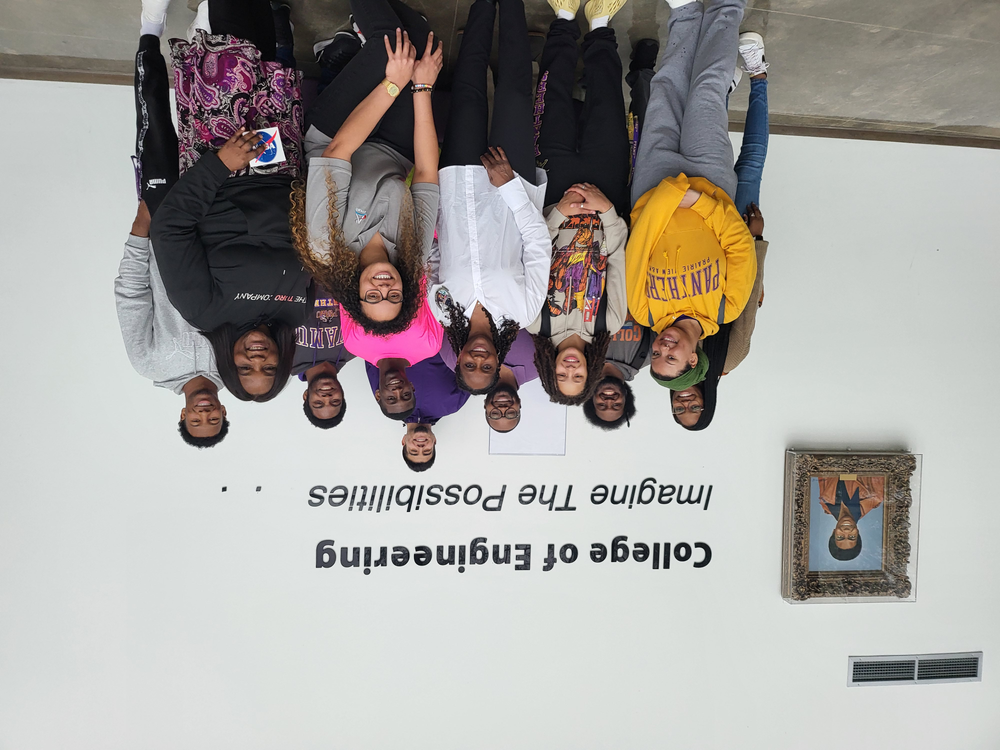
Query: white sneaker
{"x": 752, "y": 52}
{"x": 200, "y": 21}
{"x": 737, "y": 77}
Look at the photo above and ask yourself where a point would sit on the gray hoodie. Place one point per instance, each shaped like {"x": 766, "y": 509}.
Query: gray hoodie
{"x": 160, "y": 344}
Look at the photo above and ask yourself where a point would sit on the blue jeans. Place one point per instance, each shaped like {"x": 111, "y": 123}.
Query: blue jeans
{"x": 750, "y": 166}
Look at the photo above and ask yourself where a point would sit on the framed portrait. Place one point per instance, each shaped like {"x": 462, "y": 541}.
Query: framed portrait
{"x": 850, "y": 526}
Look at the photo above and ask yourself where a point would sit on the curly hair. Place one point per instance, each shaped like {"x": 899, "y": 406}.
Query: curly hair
{"x": 203, "y": 442}
{"x": 457, "y": 332}
{"x": 400, "y": 416}
{"x": 324, "y": 424}
{"x": 340, "y": 270}
{"x": 545, "y": 362}
{"x": 414, "y": 466}
{"x": 628, "y": 412}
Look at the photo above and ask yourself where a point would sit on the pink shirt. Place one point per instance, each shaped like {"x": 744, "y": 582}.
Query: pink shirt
{"x": 418, "y": 342}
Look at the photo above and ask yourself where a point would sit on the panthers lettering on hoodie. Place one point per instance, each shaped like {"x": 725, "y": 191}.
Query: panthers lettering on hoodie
{"x": 696, "y": 261}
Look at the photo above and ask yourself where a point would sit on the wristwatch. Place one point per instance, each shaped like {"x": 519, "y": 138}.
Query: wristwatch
{"x": 392, "y": 88}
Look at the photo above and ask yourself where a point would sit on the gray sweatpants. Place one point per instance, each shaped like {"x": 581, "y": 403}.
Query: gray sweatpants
{"x": 687, "y": 126}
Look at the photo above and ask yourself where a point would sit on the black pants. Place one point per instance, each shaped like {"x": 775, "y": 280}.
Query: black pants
{"x": 156, "y": 146}
{"x": 245, "y": 19}
{"x": 466, "y": 138}
{"x": 375, "y": 18}
{"x": 592, "y": 145}
{"x": 155, "y": 136}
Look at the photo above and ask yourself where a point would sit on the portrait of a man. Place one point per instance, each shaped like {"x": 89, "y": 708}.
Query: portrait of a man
{"x": 849, "y": 498}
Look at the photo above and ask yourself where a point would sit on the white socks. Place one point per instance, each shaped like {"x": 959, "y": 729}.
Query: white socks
{"x": 678, "y": 3}
{"x": 599, "y": 22}
{"x": 200, "y": 21}
{"x": 151, "y": 26}
{"x": 154, "y": 17}
{"x": 565, "y": 14}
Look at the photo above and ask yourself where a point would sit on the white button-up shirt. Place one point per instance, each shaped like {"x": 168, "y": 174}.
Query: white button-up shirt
{"x": 493, "y": 245}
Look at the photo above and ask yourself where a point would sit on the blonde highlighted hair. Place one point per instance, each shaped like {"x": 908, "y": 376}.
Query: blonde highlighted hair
{"x": 339, "y": 272}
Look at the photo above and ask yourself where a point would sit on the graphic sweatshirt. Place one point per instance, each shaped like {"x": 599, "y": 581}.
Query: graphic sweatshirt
{"x": 588, "y": 262}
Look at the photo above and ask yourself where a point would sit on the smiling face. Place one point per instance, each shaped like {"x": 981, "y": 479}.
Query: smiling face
{"x": 672, "y": 353}
{"x": 501, "y": 402}
{"x": 477, "y": 362}
{"x": 395, "y": 392}
{"x": 203, "y": 414}
{"x": 846, "y": 535}
{"x": 571, "y": 371}
{"x": 255, "y": 355}
{"x": 381, "y": 291}
{"x": 609, "y": 400}
{"x": 418, "y": 444}
{"x": 324, "y": 396}
{"x": 687, "y": 405}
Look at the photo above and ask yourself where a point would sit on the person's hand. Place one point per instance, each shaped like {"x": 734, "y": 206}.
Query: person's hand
{"x": 140, "y": 225}
{"x": 570, "y": 205}
{"x": 755, "y": 220}
{"x": 241, "y": 149}
{"x": 427, "y": 67}
{"x": 690, "y": 198}
{"x": 399, "y": 67}
{"x": 497, "y": 166}
{"x": 593, "y": 198}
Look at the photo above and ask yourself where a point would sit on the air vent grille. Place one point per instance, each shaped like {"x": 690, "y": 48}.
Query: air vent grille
{"x": 884, "y": 671}
{"x": 914, "y": 669}
{"x": 947, "y": 669}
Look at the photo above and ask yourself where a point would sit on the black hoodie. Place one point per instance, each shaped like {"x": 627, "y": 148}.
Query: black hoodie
{"x": 224, "y": 248}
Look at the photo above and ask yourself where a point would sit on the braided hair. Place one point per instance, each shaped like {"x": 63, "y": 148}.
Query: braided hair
{"x": 457, "y": 332}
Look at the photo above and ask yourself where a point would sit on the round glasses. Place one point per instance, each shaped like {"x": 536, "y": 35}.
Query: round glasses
{"x": 374, "y": 296}
{"x": 510, "y": 412}
{"x": 694, "y": 409}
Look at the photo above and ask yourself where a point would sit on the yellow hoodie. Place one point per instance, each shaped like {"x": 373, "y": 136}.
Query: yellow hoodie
{"x": 697, "y": 261}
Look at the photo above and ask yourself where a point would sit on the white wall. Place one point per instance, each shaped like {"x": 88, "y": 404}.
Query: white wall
{"x": 142, "y": 607}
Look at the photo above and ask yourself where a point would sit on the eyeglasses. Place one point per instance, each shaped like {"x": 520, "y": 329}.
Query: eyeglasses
{"x": 374, "y": 296}
{"x": 510, "y": 412}
{"x": 693, "y": 408}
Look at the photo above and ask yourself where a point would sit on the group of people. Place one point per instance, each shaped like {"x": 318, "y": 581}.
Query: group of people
{"x": 558, "y": 239}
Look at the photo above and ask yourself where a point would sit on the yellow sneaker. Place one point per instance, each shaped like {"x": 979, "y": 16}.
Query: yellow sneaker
{"x": 570, "y": 6}
{"x": 601, "y": 8}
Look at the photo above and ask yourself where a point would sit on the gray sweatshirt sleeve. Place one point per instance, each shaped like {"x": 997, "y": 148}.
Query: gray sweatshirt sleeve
{"x": 134, "y": 302}
{"x": 323, "y": 171}
{"x": 426, "y": 198}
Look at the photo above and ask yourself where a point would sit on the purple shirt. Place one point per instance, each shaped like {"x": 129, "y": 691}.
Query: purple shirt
{"x": 437, "y": 393}
{"x": 520, "y": 359}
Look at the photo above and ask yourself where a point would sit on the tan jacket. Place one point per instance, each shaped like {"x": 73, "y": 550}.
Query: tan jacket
{"x": 871, "y": 492}
{"x": 742, "y": 329}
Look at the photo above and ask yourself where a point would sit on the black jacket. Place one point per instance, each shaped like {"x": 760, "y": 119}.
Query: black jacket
{"x": 224, "y": 248}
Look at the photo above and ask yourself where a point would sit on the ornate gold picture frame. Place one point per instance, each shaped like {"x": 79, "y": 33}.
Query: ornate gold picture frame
{"x": 850, "y": 526}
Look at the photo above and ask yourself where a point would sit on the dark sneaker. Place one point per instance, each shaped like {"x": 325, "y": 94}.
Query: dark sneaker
{"x": 644, "y": 54}
{"x": 283, "y": 29}
{"x": 334, "y": 54}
